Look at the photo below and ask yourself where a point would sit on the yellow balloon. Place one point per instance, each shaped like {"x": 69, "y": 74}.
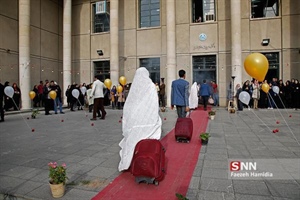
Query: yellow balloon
{"x": 52, "y": 94}
{"x": 122, "y": 80}
{"x": 256, "y": 65}
{"x": 265, "y": 87}
{"x": 108, "y": 83}
{"x": 119, "y": 88}
{"x": 31, "y": 94}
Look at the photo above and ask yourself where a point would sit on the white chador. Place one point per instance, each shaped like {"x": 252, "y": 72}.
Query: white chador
{"x": 193, "y": 98}
{"x": 141, "y": 118}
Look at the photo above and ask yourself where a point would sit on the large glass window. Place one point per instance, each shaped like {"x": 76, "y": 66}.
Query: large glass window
{"x": 273, "y": 71}
{"x": 149, "y": 13}
{"x": 204, "y": 67}
{"x": 203, "y": 11}
{"x": 100, "y": 19}
{"x": 153, "y": 66}
{"x": 102, "y": 69}
{"x": 264, "y": 8}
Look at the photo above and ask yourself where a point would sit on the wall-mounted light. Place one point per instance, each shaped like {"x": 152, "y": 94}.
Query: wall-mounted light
{"x": 265, "y": 42}
{"x": 100, "y": 52}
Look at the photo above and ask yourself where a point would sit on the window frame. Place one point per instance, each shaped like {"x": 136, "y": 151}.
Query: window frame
{"x": 105, "y": 69}
{"x": 210, "y": 70}
{"x": 203, "y": 17}
{"x": 106, "y": 28}
{"x": 139, "y": 21}
{"x": 272, "y": 63}
{"x": 278, "y": 7}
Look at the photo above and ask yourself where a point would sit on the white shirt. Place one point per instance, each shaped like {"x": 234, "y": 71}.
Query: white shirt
{"x": 97, "y": 90}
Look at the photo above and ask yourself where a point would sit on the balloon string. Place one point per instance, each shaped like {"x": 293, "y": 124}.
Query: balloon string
{"x": 261, "y": 120}
{"x": 285, "y": 121}
{"x": 283, "y": 105}
{"x": 21, "y": 113}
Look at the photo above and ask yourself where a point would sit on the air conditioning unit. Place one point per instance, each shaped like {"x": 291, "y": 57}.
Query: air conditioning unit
{"x": 100, "y": 7}
{"x": 209, "y": 17}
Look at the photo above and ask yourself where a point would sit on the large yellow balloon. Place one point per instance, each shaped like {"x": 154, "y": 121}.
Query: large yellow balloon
{"x": 265, "y": 87}
{"x": 108, "y": 83}
{"x": 31, "y": 94}
{"x": 122, "y": 80}
{"x": 119, "y": 88}
{"x": 52, "y": 94}
{"x": 256, "y": 65}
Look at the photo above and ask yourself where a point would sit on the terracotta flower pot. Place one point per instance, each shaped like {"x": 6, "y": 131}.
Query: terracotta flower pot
{"x": 58, "y": 190}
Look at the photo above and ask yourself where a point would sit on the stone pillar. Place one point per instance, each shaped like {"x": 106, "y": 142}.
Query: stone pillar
{"x": 236, "y": 43}
{"x": 171, "y": 48}
{"x": 67, "y": 44}
{"x": 114, "y": 42}
{"x": 24, "y": 52}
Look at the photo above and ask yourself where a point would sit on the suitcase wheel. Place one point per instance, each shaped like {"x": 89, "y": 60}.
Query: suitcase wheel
{"x": 156, "y": 183}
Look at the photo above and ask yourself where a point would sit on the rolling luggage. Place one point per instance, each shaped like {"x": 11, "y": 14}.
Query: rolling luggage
{"x": 148, "y": 162}
{"x": 184, "y": 129}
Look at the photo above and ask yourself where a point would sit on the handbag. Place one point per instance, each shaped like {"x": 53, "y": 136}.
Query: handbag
{"x": 211, "y": 100}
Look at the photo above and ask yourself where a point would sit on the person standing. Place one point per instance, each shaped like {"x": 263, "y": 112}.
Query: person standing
{"x": 162, "y": 92}
{"x": 97, "y": 93}
{"x": 255, "y": 93}
{"x": 47, "y": 99}
{"x": 204, "y": 93}
{"x": 40, "y": 94}
{"x": 238, "y": 91}
{"x": 180, "y": 95}
{"x": 215, "y": 94}
{"x": 1, "y": 102}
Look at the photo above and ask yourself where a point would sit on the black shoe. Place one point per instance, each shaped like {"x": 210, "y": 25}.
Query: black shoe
{"x": 93, "y": 119}
{"x": 72, "y": 110}
{"x": 2, "y": 120}
{"x": 62, "y": 113}
{"x": 48, "y": 114}
{"x": 56, "y": 113}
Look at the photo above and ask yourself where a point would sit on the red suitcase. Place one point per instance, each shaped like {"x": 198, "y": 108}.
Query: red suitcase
{"x": 148, "y": 162}
{"x": 183, "y": 129}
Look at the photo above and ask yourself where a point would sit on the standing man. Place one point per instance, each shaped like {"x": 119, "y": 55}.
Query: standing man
{"x": 180, "y": 94}
{"x": 1, "y": 102}
{"x": 162, "y": 92}
{"x": 215, "y": 94}
{"x": 97, "y": 93}
{"x": 204, "y": 93}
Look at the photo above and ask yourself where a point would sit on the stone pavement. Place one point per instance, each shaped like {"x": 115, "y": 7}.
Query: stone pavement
{"x": 92, "y": 154}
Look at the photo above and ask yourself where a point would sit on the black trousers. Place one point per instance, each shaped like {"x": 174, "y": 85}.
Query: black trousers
{"x": 205, "y": 99}
{"x": 1, "y": 110}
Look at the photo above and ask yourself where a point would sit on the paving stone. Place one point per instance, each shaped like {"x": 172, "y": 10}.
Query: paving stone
{"x": 217, "y": 185}
{"x": 209, "y": 195}
{"x": 102, "y": 172}
{"x": 215, "y": 173}
{"x": 284, "y": 190}
{"x": 251, "y": 187}
{"x": 18, "y": 171}
{"x": 216, "y": 164}
{"x": 251, "y": 197}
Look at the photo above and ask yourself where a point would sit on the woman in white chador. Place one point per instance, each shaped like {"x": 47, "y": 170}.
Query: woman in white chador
{"x": 193, "y": 98}
{"x": 141, "y": 118}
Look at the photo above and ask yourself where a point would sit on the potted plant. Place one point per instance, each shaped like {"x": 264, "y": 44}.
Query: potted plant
{"x": 211, "y": 114}
{"x": 204, "y": 138}
{"x": 58, "y": 177}
{"x": 34, "y": 113}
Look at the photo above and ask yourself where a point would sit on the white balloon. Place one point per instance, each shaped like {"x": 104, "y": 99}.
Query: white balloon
{"x": 9, "y": 91}
{"x": 275, "y": 89}
{"x": 75, "y": 93}
{"x": 244, "y": 97}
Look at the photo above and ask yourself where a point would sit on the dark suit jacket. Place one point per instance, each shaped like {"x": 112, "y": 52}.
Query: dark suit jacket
{"x": 180, "y": 92}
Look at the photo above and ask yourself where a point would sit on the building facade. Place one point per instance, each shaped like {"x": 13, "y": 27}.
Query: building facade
{"x": 71, "y": 41}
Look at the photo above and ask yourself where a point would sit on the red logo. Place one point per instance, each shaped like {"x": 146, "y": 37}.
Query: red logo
{"x": 235, "y": 166}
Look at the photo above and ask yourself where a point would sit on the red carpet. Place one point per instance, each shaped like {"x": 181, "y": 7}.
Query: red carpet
{"x": 181, "y": 159}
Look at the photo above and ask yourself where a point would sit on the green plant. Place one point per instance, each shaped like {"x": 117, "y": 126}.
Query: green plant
{"x": 181, "y": 197}
{"x": 211, "y": 112}
{"x": 34, "y": 113}
{"x": 204, "y": 136}
{"x": 57, "y": 173}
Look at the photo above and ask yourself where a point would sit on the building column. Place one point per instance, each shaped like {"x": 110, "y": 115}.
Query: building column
{"x": 236, "y": 43}
{"x": 171, "y": 48}
{"x": 114, "y": 42}
{"x": 24, "y": 52}
{"x": 67, "y": 44}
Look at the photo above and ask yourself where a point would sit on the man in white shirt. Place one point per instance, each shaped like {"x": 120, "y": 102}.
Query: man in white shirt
{"x": 97, "y": 94}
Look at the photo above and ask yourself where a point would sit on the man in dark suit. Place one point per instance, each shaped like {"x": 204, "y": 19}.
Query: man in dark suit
{"x": 180, "y": 95}
{"x": 1, "y": 102}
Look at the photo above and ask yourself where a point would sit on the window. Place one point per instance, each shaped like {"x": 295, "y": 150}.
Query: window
{"x": 101, "y": 16}
{"x": 153, "y": 66}
{"x": 273, "y": 71}
{"x": 102, "y": 69}
{"x": 203, "y": 11}
{"x": 204, "y": 67}
{"x": 264, "y": 8}
{"x": 149, "y": 13}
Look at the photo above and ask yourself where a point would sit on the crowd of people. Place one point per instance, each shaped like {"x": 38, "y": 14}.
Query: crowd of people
{"x": 288, "y": 95}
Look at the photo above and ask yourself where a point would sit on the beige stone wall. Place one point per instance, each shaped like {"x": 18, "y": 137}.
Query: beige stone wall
{"x": 136, "y": 43}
